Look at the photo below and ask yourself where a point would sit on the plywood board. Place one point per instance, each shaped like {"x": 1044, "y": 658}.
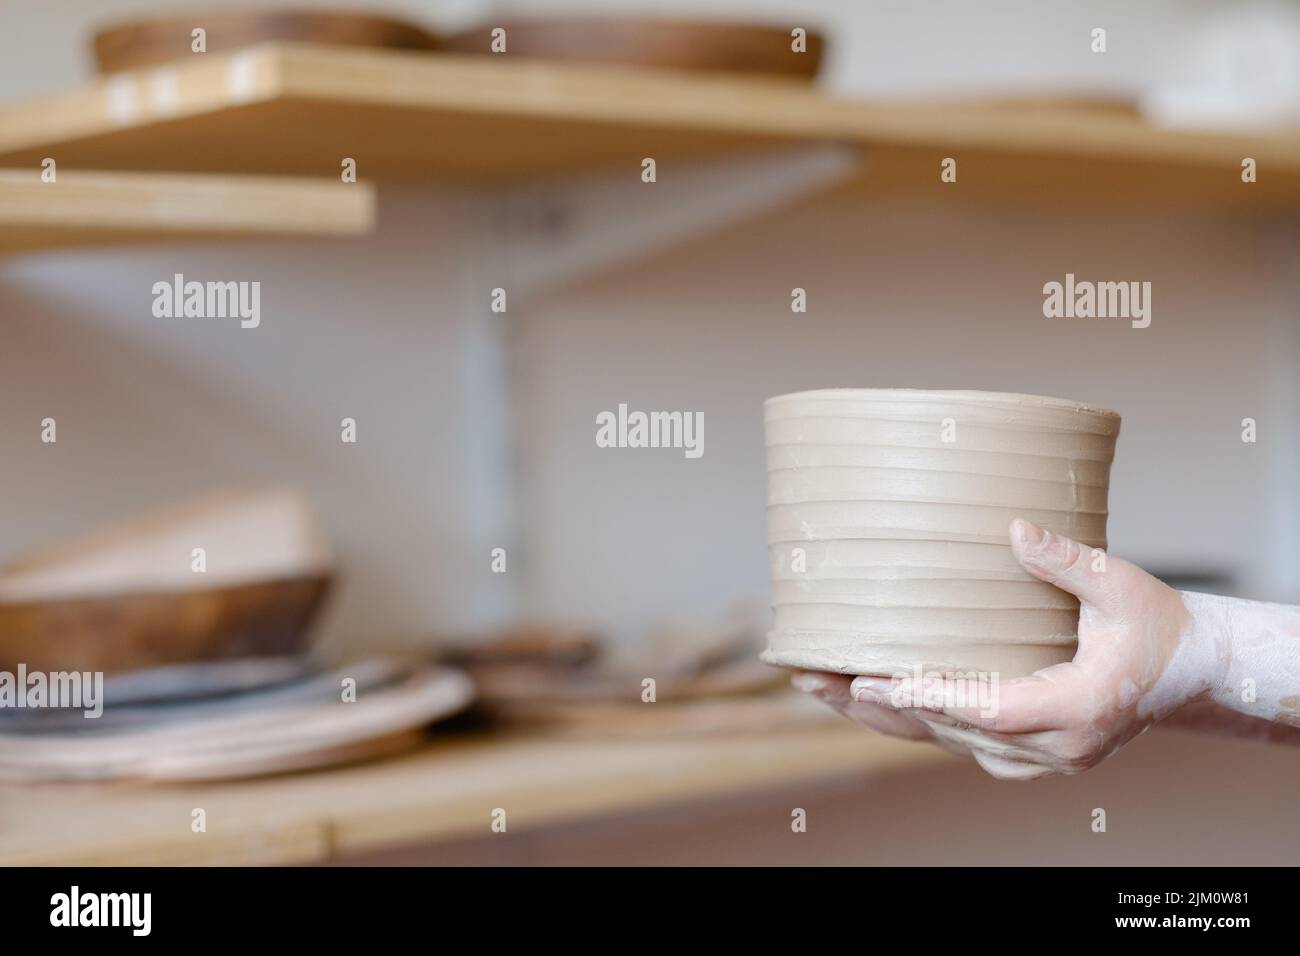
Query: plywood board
{"x": 80, "y": 208}
{"x": 446, "y": 790}
{"x": 445, "y": 117}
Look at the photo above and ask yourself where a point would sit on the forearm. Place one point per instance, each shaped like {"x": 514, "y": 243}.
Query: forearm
{"x": 1246, "y": 655}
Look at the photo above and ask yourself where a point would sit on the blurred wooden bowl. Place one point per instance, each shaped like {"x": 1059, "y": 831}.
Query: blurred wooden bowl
{"x": 126, "y": 596}
{"x": 531, "y": 645}
{"x": 156, "y": 40}
{"x": 652, "y": 42}
{"x": 131, "y": 631}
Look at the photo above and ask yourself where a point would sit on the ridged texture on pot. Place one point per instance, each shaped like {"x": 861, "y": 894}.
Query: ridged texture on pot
{"x": 904, "y": 535}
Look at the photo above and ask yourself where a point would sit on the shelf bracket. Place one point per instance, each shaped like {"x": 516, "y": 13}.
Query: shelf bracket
{"x": 537, "y": 238}
{"x": 565, "y": 230}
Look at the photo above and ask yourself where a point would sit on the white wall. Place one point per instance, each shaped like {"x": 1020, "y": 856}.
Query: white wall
{"x": 938, "y": 47}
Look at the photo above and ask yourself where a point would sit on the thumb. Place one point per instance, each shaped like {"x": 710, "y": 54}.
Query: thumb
{"x": 1069, "y": 565}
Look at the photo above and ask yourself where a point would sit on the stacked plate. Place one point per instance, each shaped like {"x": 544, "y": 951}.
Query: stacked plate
{"x": 193, "y": 620}
{"x": 706, "y": 672}
{"x": 232, "y": 719}
{"x": 888, "y": 517}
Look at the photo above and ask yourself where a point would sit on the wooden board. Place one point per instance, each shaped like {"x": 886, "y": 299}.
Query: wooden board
{"x": 446, "y": 790}
{"x": 82, "y": 208}
{"x": 287, "y": 108}
{"x": 752, "y": 713}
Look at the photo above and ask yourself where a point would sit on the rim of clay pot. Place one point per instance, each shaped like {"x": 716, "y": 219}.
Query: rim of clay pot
{"x": 953, "y": 394}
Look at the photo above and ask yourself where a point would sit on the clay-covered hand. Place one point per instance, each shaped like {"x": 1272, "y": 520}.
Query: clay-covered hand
{"x": 1145, "y": 650}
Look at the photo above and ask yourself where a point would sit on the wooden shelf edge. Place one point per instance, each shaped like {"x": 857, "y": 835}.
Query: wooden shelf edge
{"x": 752, "y": 110}
{"x": 781, "y": 110}
{"x": 141, "y": 97}
{"x": 82, "y": 207}
{"x": 446, "y": 790}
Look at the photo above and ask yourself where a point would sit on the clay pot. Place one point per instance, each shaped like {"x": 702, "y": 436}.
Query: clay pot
{"x": 888, "y": 517}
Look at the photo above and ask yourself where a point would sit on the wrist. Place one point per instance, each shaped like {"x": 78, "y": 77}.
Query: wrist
{"x": 1197, "y": 667}
{"x": 1256, "y": 671}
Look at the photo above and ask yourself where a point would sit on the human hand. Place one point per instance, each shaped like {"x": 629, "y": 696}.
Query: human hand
{"x": 1142, "y": 655}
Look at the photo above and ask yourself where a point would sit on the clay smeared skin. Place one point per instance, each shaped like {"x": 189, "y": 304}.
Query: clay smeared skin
{"x": 1147, "y": 653}
{"x": 1259, "y": 647}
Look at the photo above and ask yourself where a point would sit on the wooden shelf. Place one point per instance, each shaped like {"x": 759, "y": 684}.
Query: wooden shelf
{"x": 446, "y": 790}
{"x": 284, "y": 108}
{"x": 79, "y": 207}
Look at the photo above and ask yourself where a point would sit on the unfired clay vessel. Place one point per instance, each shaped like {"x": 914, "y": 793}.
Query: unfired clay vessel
{"x": 888, "y": 516}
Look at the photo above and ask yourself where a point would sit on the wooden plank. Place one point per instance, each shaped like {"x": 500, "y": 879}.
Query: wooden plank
{"x": 295, "y": 109}
{"x": 1020, "y": 183}
{"x": 445, "y": 790}
{"x": 104, "y": 207}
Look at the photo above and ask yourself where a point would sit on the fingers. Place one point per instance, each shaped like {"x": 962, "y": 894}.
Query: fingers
{"x": 1006, "y": 769}
{"x": 830, "y": 689}
{"x": 833, "y": 690}
{"x": 1044, "y": 701}
{"x": 1049, "y": 722}
{"x": 1016, "y": 742}
{"x": 1087, "y": 573}
{"x": 1005, "y": 756}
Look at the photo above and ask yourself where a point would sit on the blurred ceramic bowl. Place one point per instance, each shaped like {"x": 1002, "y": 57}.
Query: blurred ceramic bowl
{"x": 132, "y": 631}
{"x": 236, "y": 573}
{"x": 651, "y": 42}
{"x": 158, "y": 40}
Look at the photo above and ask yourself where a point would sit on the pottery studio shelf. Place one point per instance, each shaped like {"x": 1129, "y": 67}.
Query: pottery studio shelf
{"x": 446, "y": 790}
{"x": 285, "y": 108}
{"x": 81, "y": 208}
